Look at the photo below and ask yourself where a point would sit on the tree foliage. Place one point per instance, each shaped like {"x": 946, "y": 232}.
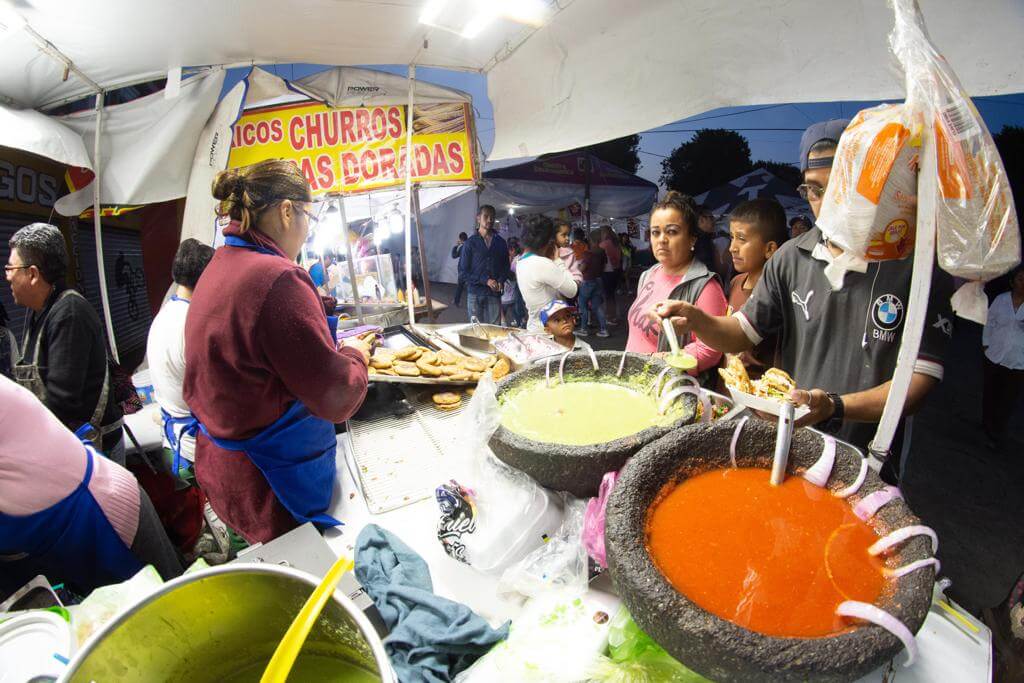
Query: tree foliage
{"x": 711, "y": 157}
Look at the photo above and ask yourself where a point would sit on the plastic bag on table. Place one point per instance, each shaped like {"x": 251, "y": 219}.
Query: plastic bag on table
{"x": 490, "y": 514}
{"x": 559, "y": 565}
{"x": 870, "y": 205}
{"x": 593, "y": 519}
{"x": 104, "y": 603}
{"x": 977, "y": 234}
{"x": 633, "y": 657}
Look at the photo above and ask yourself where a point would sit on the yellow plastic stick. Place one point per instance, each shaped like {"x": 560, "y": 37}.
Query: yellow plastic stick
{"x": 280, "y": 664}
{"x": 956, "y": 615}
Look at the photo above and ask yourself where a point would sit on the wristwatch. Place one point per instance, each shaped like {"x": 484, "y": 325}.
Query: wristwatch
{"x": 833, "y": 424}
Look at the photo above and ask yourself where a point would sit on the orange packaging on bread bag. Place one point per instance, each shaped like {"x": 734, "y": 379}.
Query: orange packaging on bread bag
{"x": 870, "y": 205}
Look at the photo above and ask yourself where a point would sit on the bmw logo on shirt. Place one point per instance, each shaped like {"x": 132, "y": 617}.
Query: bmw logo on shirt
{"x": 887, "y": 314}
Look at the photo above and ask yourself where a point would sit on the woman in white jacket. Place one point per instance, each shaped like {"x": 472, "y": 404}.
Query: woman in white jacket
{"x": 541, "y": 274}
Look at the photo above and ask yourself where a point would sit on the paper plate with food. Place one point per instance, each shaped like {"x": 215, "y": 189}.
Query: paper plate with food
{"x": 763, "y": 395}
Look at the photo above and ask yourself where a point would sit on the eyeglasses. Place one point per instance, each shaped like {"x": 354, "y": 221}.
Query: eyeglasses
{"x": 11, "y": 269}
{"x": 310, "y": 216}
{"x": 815, "y": 192}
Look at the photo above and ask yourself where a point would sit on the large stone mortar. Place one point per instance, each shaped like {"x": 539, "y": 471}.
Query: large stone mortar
{"x": 717, "y": 648}
{"x": 578, "y": 469}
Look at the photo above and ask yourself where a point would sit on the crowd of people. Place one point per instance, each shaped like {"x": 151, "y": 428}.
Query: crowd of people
{"x": 251, "y": 381}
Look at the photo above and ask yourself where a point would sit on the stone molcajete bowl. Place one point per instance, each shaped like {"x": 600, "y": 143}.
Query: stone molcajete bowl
{"x": 722, "y": 650}
{"x": 578, "y": 469}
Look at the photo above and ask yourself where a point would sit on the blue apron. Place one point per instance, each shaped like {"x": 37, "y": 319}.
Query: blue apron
{"x": 71, "y": 540}
{"x": 296, "y": 453}
{"x": 172, "y": 424}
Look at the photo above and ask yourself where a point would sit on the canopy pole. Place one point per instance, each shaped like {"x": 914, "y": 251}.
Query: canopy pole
{"x": 586, "y": 189}
{"x": 98, "y": 231}
{"x": 917, "y": 305}
{"x": 408, "y": 198}
{"x": 423, "y": 253}
{"x": 348, "y": 257}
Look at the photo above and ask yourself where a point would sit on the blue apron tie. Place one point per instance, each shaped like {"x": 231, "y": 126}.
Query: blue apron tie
{"x": 190, "y": 425}
{"x": 296, "y": 454}
{"x": 72, "y": 539}
{"x": 236, "y": 241}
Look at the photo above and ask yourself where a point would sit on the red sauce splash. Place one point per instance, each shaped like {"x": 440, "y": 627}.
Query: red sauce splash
{"x": 773, "y": 559}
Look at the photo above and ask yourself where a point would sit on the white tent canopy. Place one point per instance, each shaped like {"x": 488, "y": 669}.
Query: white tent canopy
{"x": 597, "y": 69}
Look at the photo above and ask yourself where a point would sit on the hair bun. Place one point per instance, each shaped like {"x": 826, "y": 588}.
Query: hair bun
{"x": 228, "y": 184}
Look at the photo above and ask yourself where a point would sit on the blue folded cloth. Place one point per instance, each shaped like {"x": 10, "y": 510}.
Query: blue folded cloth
{"x": 432, "y": 638}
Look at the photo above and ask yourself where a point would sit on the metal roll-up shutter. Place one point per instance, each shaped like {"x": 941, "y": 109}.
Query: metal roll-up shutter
{"x": 126, "y": 285}
{"x": 17, "y": 314}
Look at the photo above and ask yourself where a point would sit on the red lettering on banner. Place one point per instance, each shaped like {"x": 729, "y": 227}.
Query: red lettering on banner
{"x": 440, "y": 162}
{"x": 296, "y": 133}
{"x": 349, "y": 168}
{"x": 387, "y": 163}
{"x": 263, "y": 132}
{"x": 331, "y": 128}
{"x": 236, "y": 137}
{"x": 368, "y": 164}
{"x": 306, "y": 165}
{"x": 276, "y": 132}
{"x": 314, "y": 136}
{"x": 326, "y": 169}
{"x": 395, "y": 119}
{"x": 422, "y": 161}
{"x": 380, "y": 124}
{"x": 249, "y": 134}
{"x": 455, "y": 154}
{"x": 348, "y": 132}
{"x": 362, "y": 125}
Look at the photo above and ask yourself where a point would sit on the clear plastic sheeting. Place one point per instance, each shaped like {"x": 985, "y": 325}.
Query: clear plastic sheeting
{"x": 977, "y": 236}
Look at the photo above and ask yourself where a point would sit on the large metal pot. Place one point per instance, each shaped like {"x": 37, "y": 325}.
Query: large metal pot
{"x": 223, "y": 624}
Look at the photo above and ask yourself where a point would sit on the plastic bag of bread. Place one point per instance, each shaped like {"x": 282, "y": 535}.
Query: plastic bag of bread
{"x": 870, "y": 205}
{"x": 977, "y": 235}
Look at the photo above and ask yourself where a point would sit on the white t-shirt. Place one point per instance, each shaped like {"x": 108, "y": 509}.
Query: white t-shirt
{"x": 165, "y": 350}
{"x": 540, "y": 281}
{"x": 1004, "y": 333}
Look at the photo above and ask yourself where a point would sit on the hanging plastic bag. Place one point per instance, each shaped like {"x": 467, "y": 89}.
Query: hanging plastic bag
{"x": 559, "y": 565}
{"x": 491, "y": 515}
{"x": 870, "y": 205}
{"x": 593, "y": 520}
{"x": 977, "y": 235}
{"x": 633, "y": 657}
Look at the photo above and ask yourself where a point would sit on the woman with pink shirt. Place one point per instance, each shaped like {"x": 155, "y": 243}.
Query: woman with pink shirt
{"x": 65, "y": 511}
{"x": 677, "y": 275}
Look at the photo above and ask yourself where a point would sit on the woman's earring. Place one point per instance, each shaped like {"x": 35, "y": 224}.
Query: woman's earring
{"x": 693, "y": 247}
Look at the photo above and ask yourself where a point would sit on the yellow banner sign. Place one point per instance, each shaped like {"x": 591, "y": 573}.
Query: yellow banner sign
{"x": 358, "y": 149}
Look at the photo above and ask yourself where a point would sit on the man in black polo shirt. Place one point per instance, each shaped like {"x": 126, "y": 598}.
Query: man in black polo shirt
{"x": 839, "y": 320}
{"x": 63, "y": 354}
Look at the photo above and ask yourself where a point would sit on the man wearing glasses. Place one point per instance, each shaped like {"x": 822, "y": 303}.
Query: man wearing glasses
{"x": 63, "y": 353}
{"x": 839, "y": 319}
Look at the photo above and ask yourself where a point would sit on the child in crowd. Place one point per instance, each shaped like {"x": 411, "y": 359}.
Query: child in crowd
{"x": 566, "y": 252}
{"x": 758, "y": 228}
{"x": 591, "y": 296}
{"x": 559, "y": 320}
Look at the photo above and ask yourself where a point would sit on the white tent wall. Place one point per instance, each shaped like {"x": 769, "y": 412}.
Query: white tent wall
{"x": 442, "y": 224}
{"x": 146, "y": 144}
{"x": 602, "y": 69}
{"x": 35, "y": 132}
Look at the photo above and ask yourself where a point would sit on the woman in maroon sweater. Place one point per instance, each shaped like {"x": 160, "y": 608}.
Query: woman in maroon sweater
{"x": 263, "y": 376}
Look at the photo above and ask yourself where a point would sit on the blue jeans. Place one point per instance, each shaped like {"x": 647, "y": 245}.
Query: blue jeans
{"x": 486, "y": 307}
{"x": 591, "y": 295}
